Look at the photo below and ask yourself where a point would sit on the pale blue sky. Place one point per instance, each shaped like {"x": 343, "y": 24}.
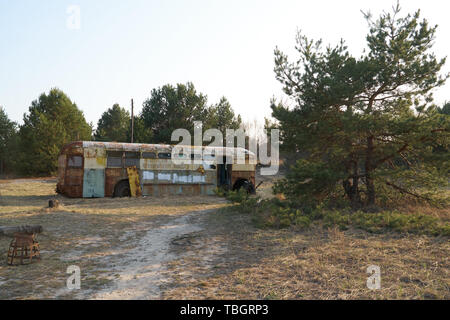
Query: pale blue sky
{"x": 126, "y": 48}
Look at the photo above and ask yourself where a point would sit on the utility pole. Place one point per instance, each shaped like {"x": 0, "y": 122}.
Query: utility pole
{"x": 132, "y": 120}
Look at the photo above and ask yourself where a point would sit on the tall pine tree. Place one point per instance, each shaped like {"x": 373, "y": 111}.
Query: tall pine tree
{"x": 8, "y": 139}
{"x": 365, "y": 123}
{"x": 53, "y": 120}
{"x": 113, "y": 125}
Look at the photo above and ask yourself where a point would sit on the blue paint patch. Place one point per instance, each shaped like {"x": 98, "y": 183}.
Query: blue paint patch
{"x": 94, "y": 183}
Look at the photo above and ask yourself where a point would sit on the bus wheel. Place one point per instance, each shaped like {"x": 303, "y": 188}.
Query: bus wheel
{"x": 122, "y": 189}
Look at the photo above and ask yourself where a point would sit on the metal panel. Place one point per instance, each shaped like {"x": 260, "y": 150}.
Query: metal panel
{"x": 95, "y": 152}
{"x": 243, "y": 167}
{"x": 94, "y": 183}
{"x": 161, "y": 164}
{"x": 112, "y": 177}
{"x": 133, "y": 178}
{"x": 94, "y": 157}
{"x": 94, "y": 163}
{"x": 158, "y": 190}
{"x": 178, "y": 177}
{"x": 73, "y": 183}
{"x": 61, "y": 172}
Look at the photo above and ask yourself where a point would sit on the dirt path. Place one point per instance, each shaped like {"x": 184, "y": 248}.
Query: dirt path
{"x": 141, "y": 271}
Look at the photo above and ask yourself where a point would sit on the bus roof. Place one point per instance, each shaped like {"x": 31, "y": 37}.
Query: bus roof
{"x": 138, "y": 147}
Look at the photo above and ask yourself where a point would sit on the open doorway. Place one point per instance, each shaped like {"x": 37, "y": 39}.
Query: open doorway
{"x": 224, "y": 174}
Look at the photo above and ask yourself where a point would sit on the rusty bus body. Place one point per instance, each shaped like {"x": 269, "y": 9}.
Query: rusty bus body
{"x": 99, "y": 169}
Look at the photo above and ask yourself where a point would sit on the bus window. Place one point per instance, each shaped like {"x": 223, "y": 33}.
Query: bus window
{"x": 209, "y": 157}
{"x": 148, "y": 155}
{"x": 165, "y": 155}
{"x": 180, "y": 156}
{"x": 195, "y": 156}
{"x": 132, "y": 159}
{"x": 114, "y": 159}
{"x": 75, "y": 162}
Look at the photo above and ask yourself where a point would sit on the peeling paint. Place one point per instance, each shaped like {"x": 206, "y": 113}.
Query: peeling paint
{"x": 148, "y": 175}
{"x": 164, "y": 176}
{"x": 157, "y": 176}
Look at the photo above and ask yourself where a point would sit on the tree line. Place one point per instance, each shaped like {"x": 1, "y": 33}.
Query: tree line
{"x": 360, "y": 128}
{"x": 54, "y": 120}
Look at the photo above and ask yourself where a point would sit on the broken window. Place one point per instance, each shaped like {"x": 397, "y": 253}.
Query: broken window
{"x": 75, "y": 162}
{"x": 148, "y": 155}
{"x": 165, "y": 155}
{"x": 132, "y": 159}
{"x": 114, "y": 159}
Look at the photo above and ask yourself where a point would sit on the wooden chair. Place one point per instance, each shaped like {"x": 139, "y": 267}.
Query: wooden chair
{"x": 23, "y": 248}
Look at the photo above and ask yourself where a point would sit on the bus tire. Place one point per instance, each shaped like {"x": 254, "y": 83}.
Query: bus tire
{"x": 122, "y": 189}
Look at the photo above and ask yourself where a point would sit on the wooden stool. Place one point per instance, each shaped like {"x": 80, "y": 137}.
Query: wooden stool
{"x": 23, "y": 247}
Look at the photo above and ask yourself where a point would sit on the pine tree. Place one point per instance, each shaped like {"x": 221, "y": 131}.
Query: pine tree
{"x": 114, "y": 125}
{"x": 170, "y": 108}
{"x": 53, "y": 120}
{"x": 364, "y": 123}
{"x": 8, "y": 140}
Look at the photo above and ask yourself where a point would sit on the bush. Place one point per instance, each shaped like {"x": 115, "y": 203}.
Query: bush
{"x": 275, "y": 213}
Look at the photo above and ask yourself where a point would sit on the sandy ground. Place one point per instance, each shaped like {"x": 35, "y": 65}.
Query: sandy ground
{"x": 122, "y": 246}
{"x": 142, "y": 270}
{"x": 190, "y": 248}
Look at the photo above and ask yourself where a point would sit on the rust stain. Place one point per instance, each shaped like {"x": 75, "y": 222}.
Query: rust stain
{"x": 112, "y": 177}
{"x": 201, "y": 170}
{"x": 159, "y": 176}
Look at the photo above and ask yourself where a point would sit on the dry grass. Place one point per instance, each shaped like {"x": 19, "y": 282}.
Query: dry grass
{"x": 319, "y": 263}
{"x": 315, "y": 264}
{"x": 441, "y": 213}
{"x": 80, "y": 232}
{"x": 227, "y": 258}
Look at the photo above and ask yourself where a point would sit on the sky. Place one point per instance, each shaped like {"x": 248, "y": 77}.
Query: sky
{"x": 123, "y": 49}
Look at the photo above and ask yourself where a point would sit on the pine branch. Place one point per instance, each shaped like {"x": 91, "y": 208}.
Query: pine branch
{"x": 402, "y": 190}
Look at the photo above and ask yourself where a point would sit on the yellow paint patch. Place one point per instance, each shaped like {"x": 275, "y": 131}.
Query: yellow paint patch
{"x": 94, "y": 163}
{"x": 135, "y": 186}
{"x": 101, "y": 162}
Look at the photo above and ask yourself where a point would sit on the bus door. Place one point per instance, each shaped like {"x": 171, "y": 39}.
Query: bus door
{"x": 224, "y": 173}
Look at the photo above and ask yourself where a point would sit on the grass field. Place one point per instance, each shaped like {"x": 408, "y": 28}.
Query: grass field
{"x": 82, "y": 232}
{"x": 187, "y": 248}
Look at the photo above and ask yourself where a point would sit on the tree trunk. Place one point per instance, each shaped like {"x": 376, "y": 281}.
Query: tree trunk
{"x": 369, "y": 178}
{"x": 351, "y": 187}
{"x": 9, "y": 231}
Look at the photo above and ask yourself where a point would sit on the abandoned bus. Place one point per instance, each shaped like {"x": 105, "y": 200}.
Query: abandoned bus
{"x": 108, "y": 169}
